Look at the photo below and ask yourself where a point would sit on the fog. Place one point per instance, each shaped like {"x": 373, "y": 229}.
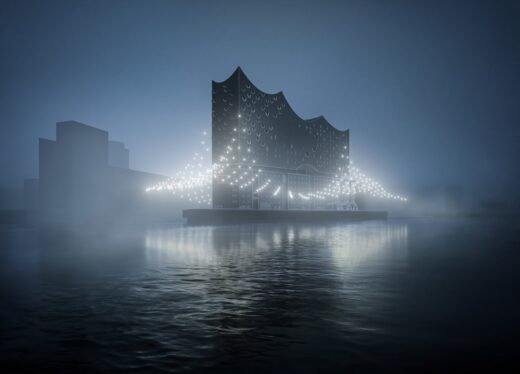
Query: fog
{"x": 429, "y": 90}
{"x": 391, "y": 247}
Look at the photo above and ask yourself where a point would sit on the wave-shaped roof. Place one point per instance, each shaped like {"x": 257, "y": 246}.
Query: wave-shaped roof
{"x": 242, "y": 78}
{"x": 270, "y": 130}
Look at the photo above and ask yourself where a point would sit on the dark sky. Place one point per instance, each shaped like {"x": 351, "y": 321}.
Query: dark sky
{"x": 430, "y": 90}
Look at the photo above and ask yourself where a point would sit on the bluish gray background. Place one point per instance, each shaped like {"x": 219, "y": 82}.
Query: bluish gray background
{"x": 429, "y": 89}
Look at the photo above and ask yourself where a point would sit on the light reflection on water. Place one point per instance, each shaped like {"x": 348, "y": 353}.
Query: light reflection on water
{"x": 349, "y": 245}
{"x": 249, "y": 297}
{"x": 329, "y": 281}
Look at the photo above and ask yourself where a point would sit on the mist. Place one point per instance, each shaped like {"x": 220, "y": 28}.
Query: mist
{"x": 429, "y": 90}
{"x": 259, "y": 186}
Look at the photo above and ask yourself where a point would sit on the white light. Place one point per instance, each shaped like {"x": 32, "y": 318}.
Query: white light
{"x": 262, "y": 187}
{"x": 196, "y": 180}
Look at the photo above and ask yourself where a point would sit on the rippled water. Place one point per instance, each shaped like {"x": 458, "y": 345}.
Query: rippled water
{"x": 396, "y": 295}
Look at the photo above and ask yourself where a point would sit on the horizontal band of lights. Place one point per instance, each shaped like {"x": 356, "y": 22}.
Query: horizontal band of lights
{"x": 194, "y": 182}
{"x": 263, "y": 186}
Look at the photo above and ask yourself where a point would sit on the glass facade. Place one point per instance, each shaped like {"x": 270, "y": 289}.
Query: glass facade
{"x": 267, "y": 157}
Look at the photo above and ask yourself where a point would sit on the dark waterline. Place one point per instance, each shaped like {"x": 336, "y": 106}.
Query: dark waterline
{"x": 423, "y": 294}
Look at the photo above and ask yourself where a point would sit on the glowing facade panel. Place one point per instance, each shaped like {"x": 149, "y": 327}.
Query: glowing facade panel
{"x": 261, "y": 134}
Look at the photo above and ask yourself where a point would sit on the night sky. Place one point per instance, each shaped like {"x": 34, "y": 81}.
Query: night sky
{"x": 429, "y": 90}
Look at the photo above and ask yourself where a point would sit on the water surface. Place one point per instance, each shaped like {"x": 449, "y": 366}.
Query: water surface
{"x": 403, "y": 294}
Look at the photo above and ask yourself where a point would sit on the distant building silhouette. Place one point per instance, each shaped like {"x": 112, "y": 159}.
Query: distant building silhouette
{"x": 118, "y": 155}
{"x": 84, "y": 177}
{"x": 11, "y": 198}
{"x": 30, "y": 194}
{"x": 261, "y": 132}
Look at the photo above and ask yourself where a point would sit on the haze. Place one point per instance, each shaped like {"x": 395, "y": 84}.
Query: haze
{"x": 428, "y": 89}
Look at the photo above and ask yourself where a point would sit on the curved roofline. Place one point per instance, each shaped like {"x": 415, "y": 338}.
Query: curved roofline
{"x": 239, "y": 70}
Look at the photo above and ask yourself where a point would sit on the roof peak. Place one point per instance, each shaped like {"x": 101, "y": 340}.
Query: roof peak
{"x": 242, "y": 78}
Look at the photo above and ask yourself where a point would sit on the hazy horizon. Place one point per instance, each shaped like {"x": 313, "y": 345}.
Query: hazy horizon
{"x": 429, "y": 91}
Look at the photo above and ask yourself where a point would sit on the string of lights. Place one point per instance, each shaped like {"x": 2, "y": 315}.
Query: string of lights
{"x": 194, "y": 182}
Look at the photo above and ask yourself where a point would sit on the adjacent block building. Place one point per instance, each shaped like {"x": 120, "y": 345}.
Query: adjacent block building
{"x": 84, "y": 178}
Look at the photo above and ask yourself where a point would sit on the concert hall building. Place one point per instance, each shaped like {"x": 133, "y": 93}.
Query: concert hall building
{"x": 273, "y": 159}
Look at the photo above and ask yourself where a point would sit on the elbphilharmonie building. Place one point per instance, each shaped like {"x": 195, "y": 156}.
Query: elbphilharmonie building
{"x": 278, "y": 159}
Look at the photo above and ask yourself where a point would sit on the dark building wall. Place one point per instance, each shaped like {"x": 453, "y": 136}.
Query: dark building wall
{"x": 267, "y": 134}
{"x": 118, "y": 155}
{"x": 11, "y": 198}
{"x": 76, "y": 183}
{"x": 31, "y": 193}
{"x": 73, "y": 175}
{"x": 128, "y": 196}
{"x": 51, "y": 203}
